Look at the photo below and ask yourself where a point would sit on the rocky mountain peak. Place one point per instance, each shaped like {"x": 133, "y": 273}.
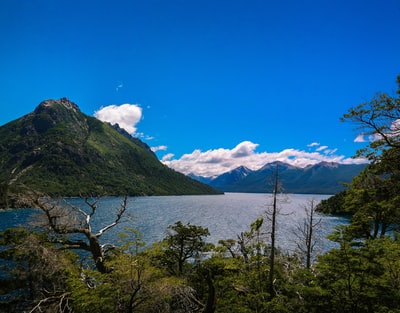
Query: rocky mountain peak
{"x": 57, "y": 104}
{"x": 241, "y": 171}
{"x": 50, "y": 113}
{"x": 277, "y": 164}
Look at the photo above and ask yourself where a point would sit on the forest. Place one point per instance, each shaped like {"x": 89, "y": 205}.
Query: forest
{"x": 61, "y": 265}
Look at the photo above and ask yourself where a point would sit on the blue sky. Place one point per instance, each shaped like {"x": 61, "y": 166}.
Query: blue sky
{"x": 210, "y": 85}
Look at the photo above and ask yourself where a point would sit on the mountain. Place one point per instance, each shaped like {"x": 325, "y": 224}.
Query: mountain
{"x": 204, "y": 180}
{"x": 230, "y": 179}
{"x": 321, "y": 178}
{"x": 59, "y": 150}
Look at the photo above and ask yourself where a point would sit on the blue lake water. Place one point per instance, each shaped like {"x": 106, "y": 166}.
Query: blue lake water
{"x": 226, "y": 216}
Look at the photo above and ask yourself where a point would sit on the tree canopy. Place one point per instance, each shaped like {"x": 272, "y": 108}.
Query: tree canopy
{"x": 374, "y": 195}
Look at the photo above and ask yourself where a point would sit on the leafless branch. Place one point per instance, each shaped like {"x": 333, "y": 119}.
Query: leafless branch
{"x": 120, "y": 213}
{"x": 61, "y": 303}
{"x": 67, "y": 219}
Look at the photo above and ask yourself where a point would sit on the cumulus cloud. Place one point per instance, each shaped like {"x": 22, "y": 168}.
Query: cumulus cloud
{"x": 217, "y": 161}
{"x": 244, "y": 149}
{"x": 125, "y": 115}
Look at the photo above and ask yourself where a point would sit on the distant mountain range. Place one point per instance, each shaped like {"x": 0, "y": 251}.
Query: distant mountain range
{"x": 321, "y": 178}
{"x": 59, "y": 150}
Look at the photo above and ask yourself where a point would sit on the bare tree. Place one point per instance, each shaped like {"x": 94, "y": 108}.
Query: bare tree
{"x": 271, "y": 215}
{"x": 64, "y": 219}
{"x": 305, "y": 232}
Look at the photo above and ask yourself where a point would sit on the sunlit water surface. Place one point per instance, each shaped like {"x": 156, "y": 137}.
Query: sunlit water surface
{"x": 226, "y": 216}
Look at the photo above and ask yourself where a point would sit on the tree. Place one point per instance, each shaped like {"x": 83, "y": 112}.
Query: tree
{"x": 184, "y": 242}
{"x": 256, "y": 231}
{"x": 271, "y": 214}
{"x": 64, "y": 219}
{"x": 33, "y": 274}
{"x": 359, "y": 279}
{"x": 379, "y": 121}
{"x": 374, "y": 195}
{"x": 333, "y": 205}
{"x": 306, "y": 233}
{"x": 374, "y": 202}
{"x": 132, "y": 276}
{"x": 230, "y": 246}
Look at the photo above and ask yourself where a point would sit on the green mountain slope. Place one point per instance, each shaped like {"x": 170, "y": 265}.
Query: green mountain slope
{"x": 59, "y": 150}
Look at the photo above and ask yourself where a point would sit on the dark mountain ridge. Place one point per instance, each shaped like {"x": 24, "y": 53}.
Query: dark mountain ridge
{"x": 320, "y": 178}
{"x": 59, "y": 150}
{"x": 230, "y": 179}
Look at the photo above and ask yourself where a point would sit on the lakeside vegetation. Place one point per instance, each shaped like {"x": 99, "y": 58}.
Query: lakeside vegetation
{"x": 41, "y": 271}
{"x": 59, "y": 269}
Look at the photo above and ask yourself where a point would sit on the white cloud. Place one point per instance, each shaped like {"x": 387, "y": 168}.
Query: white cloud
{"x": 244, "y": 149}
{"x": 330, "y": 151}
{"x": 313, "y": 144}
{"x": 360, "y": 138}
{"x": 215, "y": 162}
{"x": 395, "y": 128}
{"x": 125, "y": 115}
{"x": 143, "y": 136}
{"x": 367, "y": 138}
{"x": 159, "y": 148}
{"x": 322, "y": 148}
{"x": 394, "y": 131}
{"x": 167, "y": 157}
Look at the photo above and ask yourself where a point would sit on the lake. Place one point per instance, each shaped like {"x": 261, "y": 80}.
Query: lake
{"x": 226, "y": 216}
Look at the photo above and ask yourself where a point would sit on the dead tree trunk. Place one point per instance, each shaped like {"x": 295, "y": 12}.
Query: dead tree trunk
{"x": 66, "y": 219}
{"x": 273, "y": 232}
{"x": 305, "y": 233}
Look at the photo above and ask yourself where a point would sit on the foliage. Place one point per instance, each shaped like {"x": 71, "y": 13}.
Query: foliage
{"x": 374, "y": 202}
{"x": 378, "y": 120}
{"x": 34, "y": 273}
{"x": 373, "y": 197}
{"x": 361, "y": 279}
{"x": 184, "y": 242}
{"x": 346, "y": 279}
{"x": 333, "y": 205}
